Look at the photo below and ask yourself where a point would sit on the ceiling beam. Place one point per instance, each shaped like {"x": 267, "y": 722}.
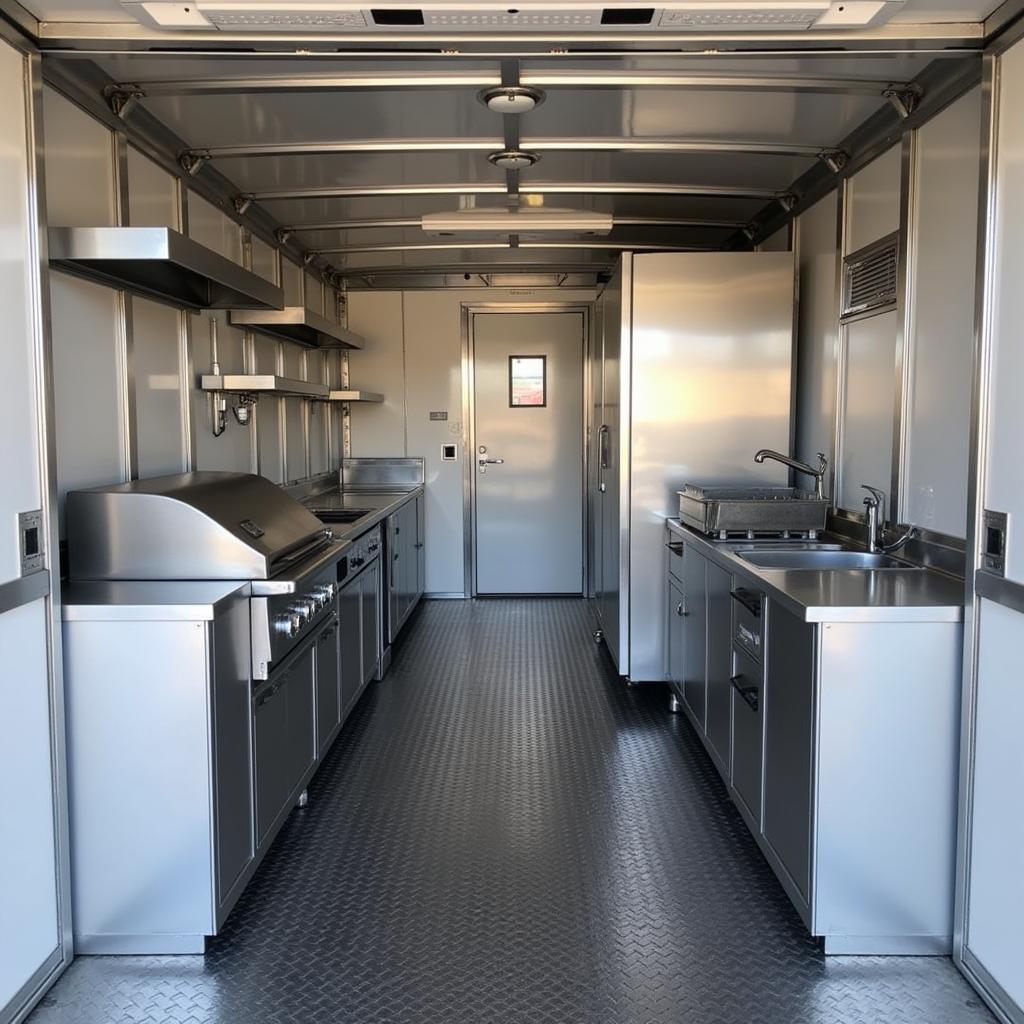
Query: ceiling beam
{"x": 488, "y": 188}
{"x": 194, "y": 159}
{"x": 415, "y": 222}
{"x": 546, "y": 79}
{"x": 345, "y": 250}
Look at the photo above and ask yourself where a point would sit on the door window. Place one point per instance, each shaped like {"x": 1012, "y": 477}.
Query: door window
{"x": 527, "y": 381}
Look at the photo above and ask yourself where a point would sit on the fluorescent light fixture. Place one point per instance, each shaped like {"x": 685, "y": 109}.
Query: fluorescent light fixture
{"x": 524, "y": 221}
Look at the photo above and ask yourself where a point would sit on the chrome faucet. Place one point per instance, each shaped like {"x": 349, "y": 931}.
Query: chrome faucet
{"x": 800, "y": 467}
{"x": 874, "y": 503}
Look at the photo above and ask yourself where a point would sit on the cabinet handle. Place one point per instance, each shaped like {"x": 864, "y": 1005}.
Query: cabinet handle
{"x": 750, "y": 599}
{"x": 681, "y": 611}
{"x": 676, "y": 547}
{"x": 418, "y": 546}
{"x": 748, "y": 693}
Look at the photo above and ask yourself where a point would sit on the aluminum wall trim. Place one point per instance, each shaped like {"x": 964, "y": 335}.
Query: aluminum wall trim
{"x": 1008, "y": 593}
{"x": 24, "y": 590}
{"x": 1004, "y": 26}
{"x": 625, "y": 464}
{"x": 994, "y": 995}
{"x": 468, "y": 462}
{"x": 842, "y": 230}
{"x": 976, "y": 484}
{"x": 543, "y": 188}
{"x": 906, "y": 300}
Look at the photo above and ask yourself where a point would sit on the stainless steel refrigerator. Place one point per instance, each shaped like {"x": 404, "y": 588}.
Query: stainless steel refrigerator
{"x": 691, "y": 371}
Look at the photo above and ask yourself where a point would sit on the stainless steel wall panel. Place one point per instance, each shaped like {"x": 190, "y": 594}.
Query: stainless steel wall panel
{"x": 712, "y": 346}
{"x": 874, "y": 201}
{"x": 152, "y": 193}
{"x": 214, "y": 228}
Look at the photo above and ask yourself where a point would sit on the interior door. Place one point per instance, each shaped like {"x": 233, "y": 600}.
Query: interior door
{"x": 35, "y": 942}
{"x": 528, "y": 413}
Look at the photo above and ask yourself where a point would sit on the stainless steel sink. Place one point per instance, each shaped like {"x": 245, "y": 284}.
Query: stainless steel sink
{"x": 778, "y": 544}
{"x": 823, "y": 560}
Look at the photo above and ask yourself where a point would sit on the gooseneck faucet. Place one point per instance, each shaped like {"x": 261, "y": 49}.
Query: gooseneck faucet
{"x": 873, "y": 504}
{"x": 800, "y": 467}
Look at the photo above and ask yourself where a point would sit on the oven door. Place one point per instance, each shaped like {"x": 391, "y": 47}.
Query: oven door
{"x": 284, "y": 737}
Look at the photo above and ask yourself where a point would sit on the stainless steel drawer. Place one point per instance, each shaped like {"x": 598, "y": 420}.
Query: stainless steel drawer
{"x": 675, "y": 558}
{"x": 748, "y": 620}
{"x": 747, "y": 731}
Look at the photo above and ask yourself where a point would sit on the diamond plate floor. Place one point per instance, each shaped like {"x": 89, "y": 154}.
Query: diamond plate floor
{"x": 504, "y": 833}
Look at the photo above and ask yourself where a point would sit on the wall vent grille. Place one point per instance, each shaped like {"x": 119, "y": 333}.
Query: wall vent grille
{"x": 871, "y": 276}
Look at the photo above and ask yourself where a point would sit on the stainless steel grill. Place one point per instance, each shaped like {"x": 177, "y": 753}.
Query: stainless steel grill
{"x": 213, "y": 526}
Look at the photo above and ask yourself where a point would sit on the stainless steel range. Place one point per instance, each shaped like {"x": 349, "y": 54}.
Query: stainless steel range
{"x": 214, "y": 526}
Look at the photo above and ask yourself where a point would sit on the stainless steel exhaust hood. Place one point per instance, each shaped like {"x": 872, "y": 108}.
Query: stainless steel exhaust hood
{"x": 162, "y": 264}
{"x": 297, "y": 324}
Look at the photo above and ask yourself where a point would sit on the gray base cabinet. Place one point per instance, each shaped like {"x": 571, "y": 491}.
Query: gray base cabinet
{"x": 838, "y": 742}
{"x": 328, "y": 686}
{"x": 406, "y": 565}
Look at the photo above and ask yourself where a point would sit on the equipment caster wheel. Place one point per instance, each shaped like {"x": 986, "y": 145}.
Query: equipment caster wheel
{"x": 598, "y": 636}
{"x": 674, "y": 704}
{"x": 303, "y": 799}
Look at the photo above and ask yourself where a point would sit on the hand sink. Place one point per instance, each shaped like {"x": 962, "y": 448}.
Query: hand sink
{"x": 823, "y": 560}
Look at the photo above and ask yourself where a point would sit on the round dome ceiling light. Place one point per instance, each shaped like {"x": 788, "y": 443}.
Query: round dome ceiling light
{"x": 513, "y": 159}
{"x": 512, "y": 99}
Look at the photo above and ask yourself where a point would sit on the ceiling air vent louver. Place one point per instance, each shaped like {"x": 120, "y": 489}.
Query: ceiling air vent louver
{"x": 870, "y": 277}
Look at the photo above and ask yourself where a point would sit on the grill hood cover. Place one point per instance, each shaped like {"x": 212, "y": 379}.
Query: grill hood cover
{"x": 190, "y": 526}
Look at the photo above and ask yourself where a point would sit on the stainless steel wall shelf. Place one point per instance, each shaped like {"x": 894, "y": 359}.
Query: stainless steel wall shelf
{"x": 263, "y": 384}
{"x": 355, "y": 395}
{"x": 162, "y": 264}
{"x": 297, "y": 324}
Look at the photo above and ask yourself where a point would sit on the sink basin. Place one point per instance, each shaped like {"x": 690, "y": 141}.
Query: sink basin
{"x": 779, "y": 544}
{"x": 822, "y": 560}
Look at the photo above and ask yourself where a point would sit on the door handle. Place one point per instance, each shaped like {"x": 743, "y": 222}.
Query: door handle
{"x": 492, "y": 462}
{"x": 602, "y": 457}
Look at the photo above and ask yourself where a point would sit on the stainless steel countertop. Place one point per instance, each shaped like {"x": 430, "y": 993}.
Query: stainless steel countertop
{"x": 849, "y": 595}
{"x": 147, "y": 600}
{"x": 380, "y": 504}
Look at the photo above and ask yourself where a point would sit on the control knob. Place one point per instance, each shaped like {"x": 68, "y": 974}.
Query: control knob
{"x": 288, "y": 625}
{"x": 304, "y": 610}
{"x": 324, "y": 594}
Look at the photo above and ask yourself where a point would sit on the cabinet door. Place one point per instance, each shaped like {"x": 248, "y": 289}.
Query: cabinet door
{"x": 328, "y": 685}
{"x": 747, "y": 737}
{"x": 421, "y": 546}
{"x": 676, "y": 610}
{"x": 719, "y": 700}
{"x": 301, "y": 718}
{"x": 395, "y": 568}
{"x": 789, "y": 742}
{"x": 695, "y": 623}
{"x": 270, "y": 728}
{"x": 350, "y": 644}
{"x": 369, "y": 614}
{"x": 232, "y": 748}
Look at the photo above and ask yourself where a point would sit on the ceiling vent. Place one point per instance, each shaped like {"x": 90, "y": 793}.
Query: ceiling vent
{"x": 526, "y": 222}
{"x": 527, "y": 16}
{"x": 871, "y": 277}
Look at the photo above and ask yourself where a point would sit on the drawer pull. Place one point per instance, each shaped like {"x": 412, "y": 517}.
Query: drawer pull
{"x": 750, "y": 599}
{"x": 681, "y": 611}
{"x": 676, "y": 547}
{"x": 748, "y": 693}
{"x": 748, "y": 636}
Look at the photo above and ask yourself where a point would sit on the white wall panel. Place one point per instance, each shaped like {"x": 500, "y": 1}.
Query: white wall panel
{"x": 27, "y": 859}
{"x": 152, "y": 193}
{"x": 818, "y": 330}
{"x": 89, "y": 413}
{"x": 1005, "y": 467}
{"x": 79, "y": 166}
{"x": 19, "y": 412}
{"x": 379, "y": 430}
{"x": 779, "y": 242}
{"x": 158, "y": 388}
{"x": 213, "y": 228}
{"x": 941, "y": 340}
{"x": 232, "y": 451}
{"x": 996, "y": 895}
{"x": 868, "y": 408}
{"x": 873, "y": 209}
